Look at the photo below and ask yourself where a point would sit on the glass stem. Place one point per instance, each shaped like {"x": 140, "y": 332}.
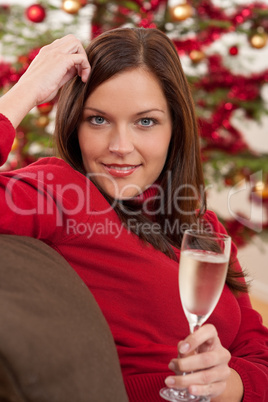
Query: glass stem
{"x": 194, "y": 327}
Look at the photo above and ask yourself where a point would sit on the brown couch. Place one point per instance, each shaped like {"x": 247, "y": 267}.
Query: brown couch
{"x": 55, "y": 345}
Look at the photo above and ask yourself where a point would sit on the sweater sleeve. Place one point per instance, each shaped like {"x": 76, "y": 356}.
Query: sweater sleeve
{"x": 18, "y": 195}
{"x": 7, "y": 135}
{"x": 249, "y": 349}
{"x": 36, "y": 200}
{"x": 250, "y": 353}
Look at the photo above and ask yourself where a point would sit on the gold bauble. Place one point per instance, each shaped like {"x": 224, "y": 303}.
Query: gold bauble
{"x": 15, "y": 144}
{"x": 181, "y": 12}
{"x": 196, "y": 56}
{"x": 42, "y": 121}
{"x": 71, "y": 6}
{"x": 238, "y": 179}
{"x": 258, "y": 40}
{"x": 6, "y": 88}
{"x": 261, "y": 189}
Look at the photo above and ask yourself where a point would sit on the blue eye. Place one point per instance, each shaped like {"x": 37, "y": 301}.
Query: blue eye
{"x": 97, "y": 120}
{"x": 147, "y": 122}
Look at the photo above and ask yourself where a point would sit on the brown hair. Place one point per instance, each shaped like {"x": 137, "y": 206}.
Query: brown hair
{"x": 123, "y": 49}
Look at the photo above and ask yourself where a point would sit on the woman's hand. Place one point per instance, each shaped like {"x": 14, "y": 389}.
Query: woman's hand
{"x": 54, "y": 65}
{"x": 208, "y": 369}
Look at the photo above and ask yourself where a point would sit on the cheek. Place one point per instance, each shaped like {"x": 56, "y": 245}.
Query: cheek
{"x": 161, "y": 149}
{"x": 90, "y": 148}
{"x": 157, "y": 158}
{"x": 161, "y": 155}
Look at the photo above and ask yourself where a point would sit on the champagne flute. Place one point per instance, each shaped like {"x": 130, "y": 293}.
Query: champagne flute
{"x": 202, "y": 274}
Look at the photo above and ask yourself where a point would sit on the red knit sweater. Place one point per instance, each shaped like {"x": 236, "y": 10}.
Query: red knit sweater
{"x": 135, "y": 286}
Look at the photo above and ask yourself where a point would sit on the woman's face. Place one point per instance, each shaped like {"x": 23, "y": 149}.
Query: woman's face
{"x": 125, "y": 133}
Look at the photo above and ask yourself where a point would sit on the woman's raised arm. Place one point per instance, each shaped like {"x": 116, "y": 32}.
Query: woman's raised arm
{"x": 54, "y": 65}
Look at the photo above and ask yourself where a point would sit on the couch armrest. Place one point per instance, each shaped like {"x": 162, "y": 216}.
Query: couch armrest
{"x": 55, "y": 345}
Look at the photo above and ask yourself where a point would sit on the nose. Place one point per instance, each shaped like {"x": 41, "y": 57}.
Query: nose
{"x": 120, "y": 141}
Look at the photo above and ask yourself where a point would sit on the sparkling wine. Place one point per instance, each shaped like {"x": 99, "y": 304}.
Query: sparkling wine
{"x": 202, "y": 276}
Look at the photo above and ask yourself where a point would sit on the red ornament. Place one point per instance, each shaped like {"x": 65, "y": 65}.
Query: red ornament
{"x": 229, "y": 106}
{"x": 45, "y": 108}
{"x": 96, "y": 30}
{"x": 35, "y": 13}
{"x": 239, "y": 233}
{"x": 233, "y": 51}
{"x": 23, "y": 60}
{"x": 5, "y": 73}
{"x": 33, "y": 53}
{"x": 246, "y": 12}
{"x": 5, "y": 8}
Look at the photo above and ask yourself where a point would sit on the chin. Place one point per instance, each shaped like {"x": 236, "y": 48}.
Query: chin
{"x": 121, "y": 194}
{"x": 124, "y": 197}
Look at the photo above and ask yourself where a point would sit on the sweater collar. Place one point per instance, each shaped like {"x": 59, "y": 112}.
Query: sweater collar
{"x": 149, "y": 193}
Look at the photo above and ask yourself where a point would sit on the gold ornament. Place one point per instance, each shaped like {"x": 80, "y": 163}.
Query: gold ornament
{"x": 258, "y": 40}
{"x": 71, "y": 6}
{"x": 42, "y": 121}
{"x": 6, "y": 88}
{"x": 181, "y": 12}
{"x": 15, "y": 144}
{"x": 238, "y": 179}
{"x": 261, "y": 189}
{"x": 197, "y": 55}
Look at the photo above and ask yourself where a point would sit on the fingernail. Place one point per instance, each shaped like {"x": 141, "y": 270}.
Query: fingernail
{"x": 184, "y": 347}
{"x": 171, "y": 366}
{"x": 193, "y": 389}
{"x": 169, "y": 381}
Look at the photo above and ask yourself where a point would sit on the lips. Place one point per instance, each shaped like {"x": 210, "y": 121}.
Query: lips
{"x": 120, "y": 170}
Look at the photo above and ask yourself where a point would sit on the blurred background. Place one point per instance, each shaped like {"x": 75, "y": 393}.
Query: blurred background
{"x": 223, "y": 46}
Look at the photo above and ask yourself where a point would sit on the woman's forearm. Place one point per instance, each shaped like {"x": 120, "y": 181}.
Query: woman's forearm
{"x": 16, "y": 103}
{"x": 54, "y": 65}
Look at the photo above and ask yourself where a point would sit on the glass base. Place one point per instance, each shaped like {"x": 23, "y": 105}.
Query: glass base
{"x": 181, "y": 395}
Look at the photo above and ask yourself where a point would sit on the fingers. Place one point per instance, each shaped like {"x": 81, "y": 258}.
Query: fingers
{"x": 207, "y": 370}
{"x": 208, "y": 382}
{"x": 200, "y": 361}
{"x": 55, "y": 65}
{"x": 70, "y": 45}
{"x": 82, "y": 66}
{"x": 211, "y": 390}
{"x": 205, "y": 337}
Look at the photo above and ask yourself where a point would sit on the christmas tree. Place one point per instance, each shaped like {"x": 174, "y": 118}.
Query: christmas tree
{"x": 218, "y": 42}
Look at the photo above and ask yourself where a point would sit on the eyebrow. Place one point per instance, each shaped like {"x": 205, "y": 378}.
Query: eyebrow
{"x": 151, "y": 110}
{"x": 138, "y": 114}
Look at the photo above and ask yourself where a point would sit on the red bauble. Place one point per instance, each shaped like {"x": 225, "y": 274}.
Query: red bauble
{"x": 83, "y": 3}
{"x": 35, "y": 13}
{"x": 233, "y": 51}
{"x": 5, "y": 73}
{"x": 45, "y": 108}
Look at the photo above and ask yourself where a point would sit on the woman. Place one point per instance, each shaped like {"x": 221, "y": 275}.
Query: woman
{"x": 117, "y": 205}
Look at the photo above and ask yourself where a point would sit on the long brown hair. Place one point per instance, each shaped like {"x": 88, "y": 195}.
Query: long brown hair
{"x": 112, "y": 53}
